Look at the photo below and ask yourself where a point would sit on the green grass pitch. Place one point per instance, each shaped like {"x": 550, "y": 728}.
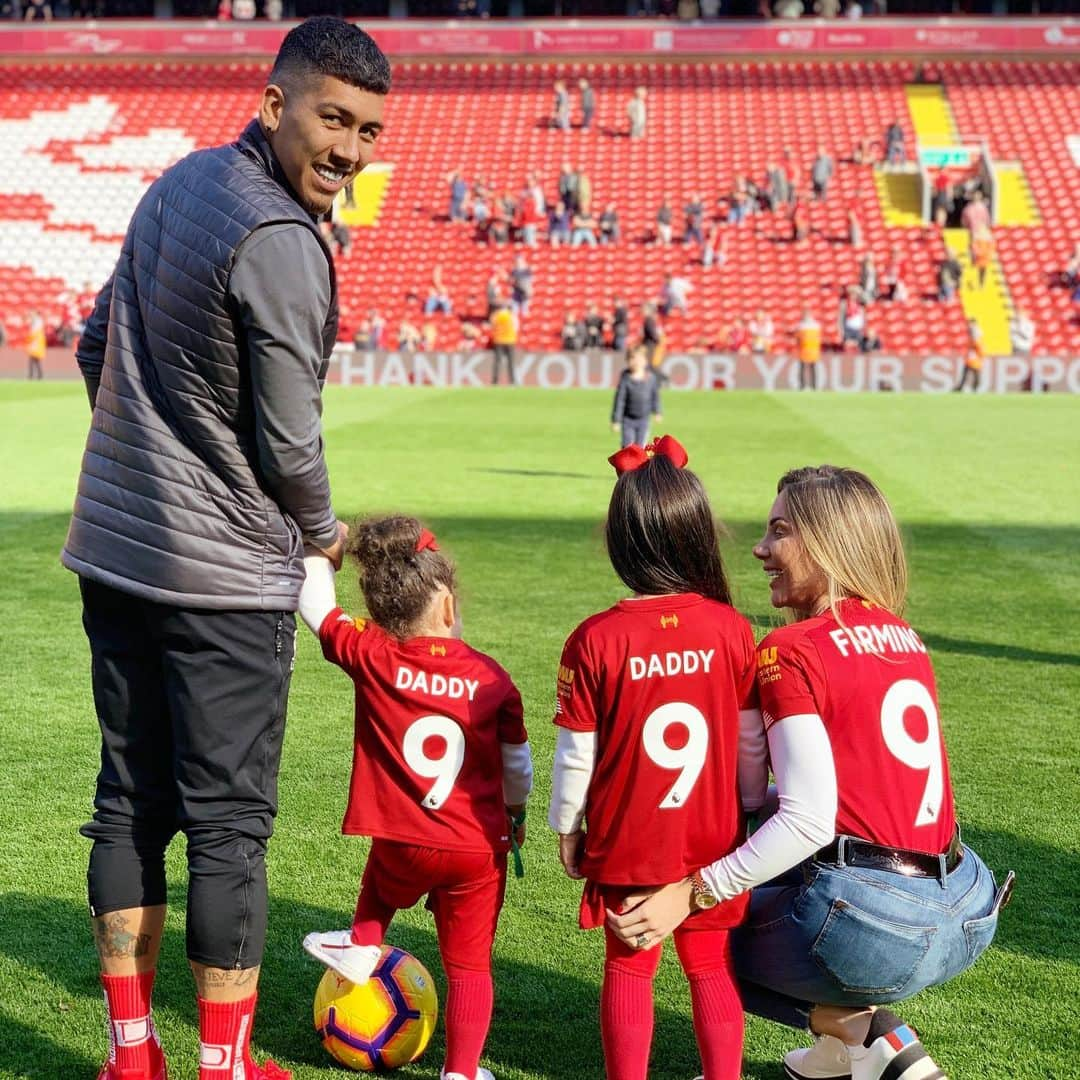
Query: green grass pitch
{"x": 515, "y": 484}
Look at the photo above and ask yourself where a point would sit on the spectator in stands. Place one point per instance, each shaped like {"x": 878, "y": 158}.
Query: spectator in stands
{"x": 714, "y": 252}
{"x": 852, "y": 317}
{"x": 534, "y": 191}
{"x": 853, "y": 10}
{"x": 695, "y": 218}
{"x": 786, "y": 9}
{"x": 800, "y": 220}
{"x": 568, "y": 186}
{"x": 637, "y": 113}
{"x": 973, "y": 358}
{"x": 498, "y": 227}
{"x": 572, "y": 334}
{"x": 777, "y": 186}
{"x": 674, "y": 293}
{"x": 408, "y": 336}
{"x": 1070, "y": 274}
{"x": 35, "y": 344}
{"x": 637, "y": 399}
{"x": 559, "y": 224}
{"x": 429, "y": 337}
{"x": 480, "y": 209}
{"x": 378, "y": 328}
{"x": 438, "y": 299}
{"x": 504, "y": 336}
{"x": 827, "y": 9}
{"x": 583, "y": 230}
{"x": 949, "y": 274}
{"x": 871, "y": 339}
{"x": 584, "y": 190}
{"x": 521, "y": 288}
{"x": 588, "y": 103}
{"x": 527, "y": 221}
{"x": 620, "y": 324}
{"x": 943, "y": 201}
{"x": 894, "y": 144}
{"x": 762, "y": 332}
{"x": 664, "y": 218}
{"x": 609, "y": 225}
{"x": 821, "y": 173}
{"x": 459, "y": 192}
{"x": 808, "y": 349}
{"x": 868, "y": 279}
{"x": 493, "y": 291}
{"x": 471, "y": 336}
{"x": 363, "y": 339}
{"x": 594, "y": 328}
{"x": 895, "y": 287}
{"x": 976, "y": 214}
{"x": 982, "y": 253}
{"x": 738, "y": 337}
{"x": 854, "y": 223}
{"x": 561, "y": 116}
{"x": 1022, "y": 334}
{"x": 652, "y": 335}
{"x": 38, "y": 11}
{"x": 740, "y": 204}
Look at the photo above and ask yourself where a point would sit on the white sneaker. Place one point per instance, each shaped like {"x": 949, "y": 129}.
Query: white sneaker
{"x": 336, "y": 950}
{"x": 892, "y": 1050}
{"x": 827, "y": 1059}
{"x": 481, "y": 1074}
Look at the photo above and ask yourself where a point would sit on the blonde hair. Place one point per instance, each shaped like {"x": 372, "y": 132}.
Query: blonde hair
{"x": 848, "y": 529}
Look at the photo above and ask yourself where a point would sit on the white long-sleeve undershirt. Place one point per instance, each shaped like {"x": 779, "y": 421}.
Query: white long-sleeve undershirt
{"x": 318, "y": 596}
{"x": 802, "y": 762}
{"x": 517, "y": 772}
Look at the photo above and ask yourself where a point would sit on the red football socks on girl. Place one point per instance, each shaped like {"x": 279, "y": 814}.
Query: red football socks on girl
{"x": 470, "y": 996}
{"x": 626, "y": 1022}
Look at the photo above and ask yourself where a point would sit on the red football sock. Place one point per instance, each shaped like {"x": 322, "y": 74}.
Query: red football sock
{"x": 371, "y": 919}
{"x": 470, "y": 997}
{"x": 714, "y": 995}
{"x": 224, "y": 1037}
{"x": 626, "y": 1022}
{"x": 134, "y": 1050}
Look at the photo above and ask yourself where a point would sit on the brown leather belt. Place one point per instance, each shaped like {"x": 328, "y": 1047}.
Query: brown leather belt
{"x": 851, "y": 851}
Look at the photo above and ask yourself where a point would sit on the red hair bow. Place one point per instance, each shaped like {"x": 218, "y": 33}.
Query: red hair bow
{"x": 633, "y": 456}
{"x": 426, "y": 541}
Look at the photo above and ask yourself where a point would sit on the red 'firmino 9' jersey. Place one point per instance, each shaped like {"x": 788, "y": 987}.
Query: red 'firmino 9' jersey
{"x": 661, "y": 682}
{"x": 431, "y": 714}
{"x": 869, "y": 679}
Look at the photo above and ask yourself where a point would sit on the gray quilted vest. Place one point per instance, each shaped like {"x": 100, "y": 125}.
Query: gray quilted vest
{"x": 170, "y": 505}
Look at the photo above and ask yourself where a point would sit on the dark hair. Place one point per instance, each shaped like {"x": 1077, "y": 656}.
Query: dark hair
{"x": 660, "y": 532}
{"x": 327, "y": 45}
{"x": 397, "y": 580}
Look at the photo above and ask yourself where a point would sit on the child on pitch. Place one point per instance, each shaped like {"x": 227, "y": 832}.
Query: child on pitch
{"x": 441, "y": 769}
{"x": 659, "y": 736}
{"x": 637, "y": 398}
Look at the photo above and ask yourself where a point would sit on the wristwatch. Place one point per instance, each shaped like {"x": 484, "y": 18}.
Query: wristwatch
{"x": 702, "y": 898}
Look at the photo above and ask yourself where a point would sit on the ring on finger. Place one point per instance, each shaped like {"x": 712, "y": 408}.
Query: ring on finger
{"x": 641, "y": 940}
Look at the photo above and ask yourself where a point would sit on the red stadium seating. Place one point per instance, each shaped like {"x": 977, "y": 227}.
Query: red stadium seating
{"x": 707, "y": 122}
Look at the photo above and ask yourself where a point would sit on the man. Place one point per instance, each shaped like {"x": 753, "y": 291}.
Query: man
{"x": 1022, "y": 334}
{"x": 203, "y": 478}
{"x": 504, "y": 335}
{"x": 808, "y": 345}
{"x": 821, "y": 173}
{"x": 521, "y": 287}
{"x": 973, "y": 358}
{"x": 588, "y": 103}
{"x": 637, "y": 113}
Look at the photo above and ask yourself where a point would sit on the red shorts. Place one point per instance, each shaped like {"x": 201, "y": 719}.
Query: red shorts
{"x": 464, "y": 890}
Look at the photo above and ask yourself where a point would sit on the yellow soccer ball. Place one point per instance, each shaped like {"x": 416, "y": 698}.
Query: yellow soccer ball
{"x": 383, "y": 1024}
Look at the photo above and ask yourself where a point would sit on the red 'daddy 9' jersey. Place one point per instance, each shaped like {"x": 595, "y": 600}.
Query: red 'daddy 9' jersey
{"x": 431, "y": 714}
{"x": 661, "y": 682}
{"x": 869, "y": 678}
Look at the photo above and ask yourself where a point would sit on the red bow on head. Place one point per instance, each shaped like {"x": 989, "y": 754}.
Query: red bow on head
{"x": 633, "y": 456}
{"x": 426, "y": 541}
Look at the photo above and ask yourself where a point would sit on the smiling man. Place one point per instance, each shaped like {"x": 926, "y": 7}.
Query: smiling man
{"x": 203, "y": 478}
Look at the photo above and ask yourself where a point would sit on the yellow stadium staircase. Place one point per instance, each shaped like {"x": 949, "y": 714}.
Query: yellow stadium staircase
{"x": 931, "y": 114}
{"x": 1016, "y": 203}
{"x": 369, "y": 193}
{"x": 991, "y": 305}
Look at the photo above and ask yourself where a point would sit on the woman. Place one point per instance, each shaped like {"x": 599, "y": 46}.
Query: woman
{"x": 871, "y": 896}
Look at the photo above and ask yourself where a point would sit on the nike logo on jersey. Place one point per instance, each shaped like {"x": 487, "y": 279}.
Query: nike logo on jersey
{"x": 435, "y": 685}
{"x": 665, "y": 665}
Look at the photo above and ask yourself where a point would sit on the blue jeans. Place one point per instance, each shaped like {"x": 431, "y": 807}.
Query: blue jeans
{"x": 840, "y": 935}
